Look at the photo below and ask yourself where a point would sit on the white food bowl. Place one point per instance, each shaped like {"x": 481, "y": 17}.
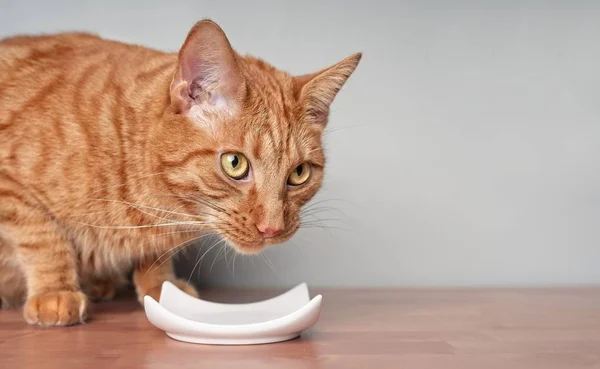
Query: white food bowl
{"x": 186, "y": 318}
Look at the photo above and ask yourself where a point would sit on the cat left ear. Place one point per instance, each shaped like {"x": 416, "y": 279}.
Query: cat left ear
{"x": 208, "y": 75}
{"x": 318, "y": 90}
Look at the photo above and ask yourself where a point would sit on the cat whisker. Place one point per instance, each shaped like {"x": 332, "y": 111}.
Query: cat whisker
{"x": 176, "y": 232}
{"x": 221, "y": 243}
{"x": 315, "y": 212}
{"x": 235, "y": 254}
{"x": 200, "y": 260}
{"x": 313, "y": 219}
{"x": 104, "y": 188}
{"x": 181, "y": 246}
{"x": 327, "y": 131}
{"x": 318, "y": 206}
{"x": 324, "y": 227}
{"x": 86, "y": 214}
{"x": 199, "y": 201}
{"x": 210, "y": 204}
{"x": 156, "y": 225}
{"x": 317, "y": 220}
{"x": 140, "y": 208}
{"x": 160, "y": 210}
{"x": 334, "y": 200}
{"x": 226, "y": 253}
{"x": 269, "y": 264}
{"x": 303, "y": 239}
{"x": 197, "y": 256}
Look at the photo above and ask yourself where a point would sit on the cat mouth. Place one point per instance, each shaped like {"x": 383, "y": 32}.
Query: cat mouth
{"x": 243, "y": 244}
{"x": 259, "y": 244}
{"x": 250, "y": 248}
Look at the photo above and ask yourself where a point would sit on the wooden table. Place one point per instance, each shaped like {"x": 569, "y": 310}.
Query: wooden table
{"x": 468, "y": 328}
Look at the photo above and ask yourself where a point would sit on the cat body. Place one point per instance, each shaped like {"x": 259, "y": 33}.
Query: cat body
{"x": 114, "y": 157}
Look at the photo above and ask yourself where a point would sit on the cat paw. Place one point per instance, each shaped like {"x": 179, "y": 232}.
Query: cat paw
{"x": 102, "y": 290}
{"x": 154, "y": 292}
{"x": 58, "y": 308}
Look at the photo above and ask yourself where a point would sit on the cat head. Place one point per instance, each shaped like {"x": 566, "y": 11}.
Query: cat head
{"x": 246, "y": 138}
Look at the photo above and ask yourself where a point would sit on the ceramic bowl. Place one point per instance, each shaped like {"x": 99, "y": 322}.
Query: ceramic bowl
{"x": 186, "y": 318}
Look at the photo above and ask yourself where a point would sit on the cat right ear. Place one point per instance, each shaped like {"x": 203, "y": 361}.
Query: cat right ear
{"x": 316, "y": 91}
{"x": 208, "y": 77}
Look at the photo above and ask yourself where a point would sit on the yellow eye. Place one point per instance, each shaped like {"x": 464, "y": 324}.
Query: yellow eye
{"x": 235, "y": 165}
{"x": 299, "y": 175}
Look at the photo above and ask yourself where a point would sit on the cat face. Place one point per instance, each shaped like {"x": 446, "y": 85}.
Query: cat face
{"x": 250, "y": 138}
{"x": 264, "y": 169}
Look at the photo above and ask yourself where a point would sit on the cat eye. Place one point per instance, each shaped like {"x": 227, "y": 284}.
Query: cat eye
{"x": 299, "y": 175}
{"x": 235, "y": 165}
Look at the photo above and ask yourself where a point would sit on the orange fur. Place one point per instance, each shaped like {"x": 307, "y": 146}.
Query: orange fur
{"x": 109, "y": 160}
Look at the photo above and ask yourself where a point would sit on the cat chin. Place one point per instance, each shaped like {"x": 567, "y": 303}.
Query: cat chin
{"x": 248, "y": 249}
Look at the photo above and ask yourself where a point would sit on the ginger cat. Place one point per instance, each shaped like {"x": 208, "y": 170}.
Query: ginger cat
{"x": 114, "y": 156}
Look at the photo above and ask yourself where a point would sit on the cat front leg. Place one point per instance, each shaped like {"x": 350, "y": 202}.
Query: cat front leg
{"x": 49, "y": 264}
{"x": 12, "y": 287}
{"x": 50, "y": 268}
{"x": 148, "y": 278}
{"x": 47, "y": 261}
{"x": 100, "y": 289}
{"x": 12, "y": 281}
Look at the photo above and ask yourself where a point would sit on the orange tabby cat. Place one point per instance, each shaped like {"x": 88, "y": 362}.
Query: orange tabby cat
{"x": 116, "y": 156}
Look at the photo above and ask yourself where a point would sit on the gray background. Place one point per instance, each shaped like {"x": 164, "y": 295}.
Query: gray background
{"x": 464, "y": 151}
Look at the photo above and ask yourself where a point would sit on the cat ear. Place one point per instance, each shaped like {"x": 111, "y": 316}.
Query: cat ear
{"x": 316, "y": 91}
{"x": 208, "y": 75}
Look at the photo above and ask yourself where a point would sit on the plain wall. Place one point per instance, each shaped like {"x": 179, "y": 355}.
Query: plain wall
{"x": 464, "y": 151}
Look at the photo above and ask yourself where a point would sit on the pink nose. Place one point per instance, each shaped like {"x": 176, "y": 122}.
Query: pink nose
{"x": 269, "y": 232}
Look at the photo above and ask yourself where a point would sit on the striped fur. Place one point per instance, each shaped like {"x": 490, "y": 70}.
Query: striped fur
{"x": 103, "y": 170}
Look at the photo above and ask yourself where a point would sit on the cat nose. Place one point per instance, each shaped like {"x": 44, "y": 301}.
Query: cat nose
{"x": 269, "y": 232}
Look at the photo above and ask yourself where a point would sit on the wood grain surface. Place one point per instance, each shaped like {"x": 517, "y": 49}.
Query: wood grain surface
{"x": 431, "y": 328}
